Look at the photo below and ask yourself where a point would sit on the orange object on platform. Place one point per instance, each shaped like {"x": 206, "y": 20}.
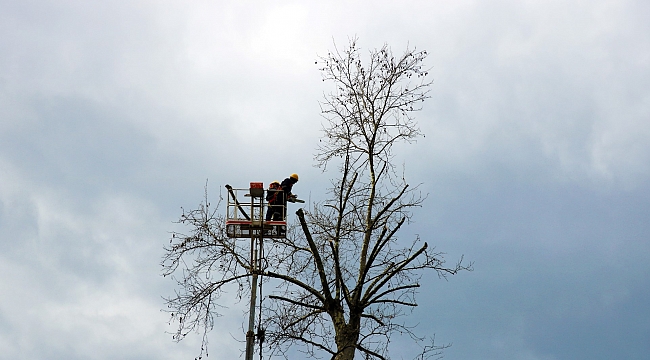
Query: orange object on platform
{"x": 257, "y": 185}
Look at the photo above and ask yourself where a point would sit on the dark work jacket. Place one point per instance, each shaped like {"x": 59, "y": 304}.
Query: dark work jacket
{"x": 273, "y": 196}
{"x": 286, "y": 185}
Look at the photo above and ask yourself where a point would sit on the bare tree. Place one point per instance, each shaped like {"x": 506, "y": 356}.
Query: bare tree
{"x": 341, "y": 277}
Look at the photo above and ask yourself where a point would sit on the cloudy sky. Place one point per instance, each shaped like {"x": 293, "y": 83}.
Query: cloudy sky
{"x": 536, "y": 160}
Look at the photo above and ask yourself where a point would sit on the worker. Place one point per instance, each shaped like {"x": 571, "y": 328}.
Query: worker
{"x": 275, "y": 209}
{"x": 287, "y": 185}
{"x": 285, "y": 195}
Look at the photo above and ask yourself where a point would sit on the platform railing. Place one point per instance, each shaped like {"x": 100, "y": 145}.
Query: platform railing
{"x": 245, "y": 215}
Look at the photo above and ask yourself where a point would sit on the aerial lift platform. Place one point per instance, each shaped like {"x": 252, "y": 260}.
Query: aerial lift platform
{"x": 245, "y": 218}
{"x": 245, "y": 214}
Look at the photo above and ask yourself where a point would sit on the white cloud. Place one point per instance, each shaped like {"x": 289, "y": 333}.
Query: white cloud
{"x": 550, "y": 84}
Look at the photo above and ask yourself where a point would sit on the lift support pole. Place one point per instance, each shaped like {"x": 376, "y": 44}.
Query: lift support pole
{"x": 250, "y": 334}
{"x": 256, "y": 253}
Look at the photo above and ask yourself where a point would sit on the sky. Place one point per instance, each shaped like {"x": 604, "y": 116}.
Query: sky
{"x": 536, "y": 162}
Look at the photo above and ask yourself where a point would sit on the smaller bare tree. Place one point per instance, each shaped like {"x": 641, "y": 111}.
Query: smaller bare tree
{"x": 342, "y": 277}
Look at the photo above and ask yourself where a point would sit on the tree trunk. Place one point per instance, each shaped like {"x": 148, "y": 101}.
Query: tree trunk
{"x": 347, "y": 336}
